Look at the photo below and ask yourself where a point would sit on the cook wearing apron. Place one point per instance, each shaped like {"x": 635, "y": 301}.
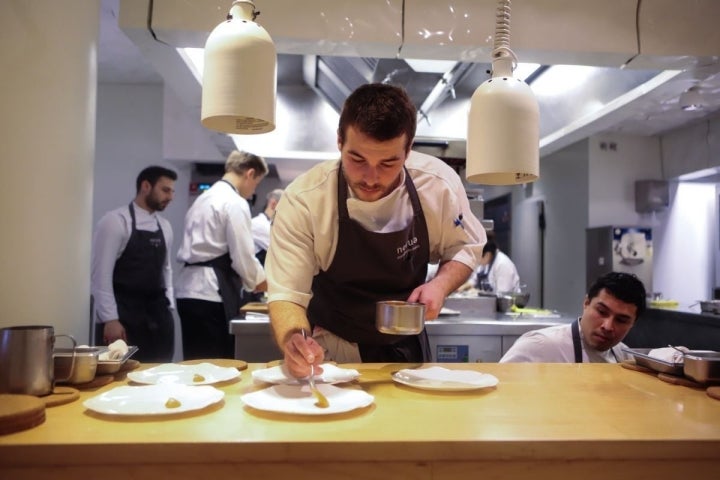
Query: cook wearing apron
{"x": 577, "y": 343}
{"x": 139, "y": 291}
{"x": 369, "y": 267}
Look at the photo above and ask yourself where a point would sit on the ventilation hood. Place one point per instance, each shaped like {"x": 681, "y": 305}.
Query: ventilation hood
{"x": 637, "y": 62}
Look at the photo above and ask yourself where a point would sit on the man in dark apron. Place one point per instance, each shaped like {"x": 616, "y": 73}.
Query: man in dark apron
{"x": 138, "y": 273}
{"x": 344, "y": 296}
{"x": 140, "y": 295}
{"x": 382, "y": 242}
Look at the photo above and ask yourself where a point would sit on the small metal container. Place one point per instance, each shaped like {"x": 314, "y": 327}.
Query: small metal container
{"x": 504, "y": 302}
{"x": 399, "y": 318}
{"x": 86, "y": 361}
{"x": 702, "y": 366}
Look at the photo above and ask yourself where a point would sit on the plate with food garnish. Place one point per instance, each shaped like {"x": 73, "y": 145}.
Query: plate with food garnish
{"x": 200, "y": 374}
{"x": 164, "y": 399}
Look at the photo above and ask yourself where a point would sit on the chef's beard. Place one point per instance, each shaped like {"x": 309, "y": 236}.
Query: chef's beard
{"x": 154, "y": 204}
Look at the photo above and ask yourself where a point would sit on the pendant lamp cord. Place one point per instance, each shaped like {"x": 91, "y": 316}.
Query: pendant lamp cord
{"x": 501, "y": 44}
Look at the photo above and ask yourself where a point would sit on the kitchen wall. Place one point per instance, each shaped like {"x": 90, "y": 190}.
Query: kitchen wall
{"x": 591, "y": 183}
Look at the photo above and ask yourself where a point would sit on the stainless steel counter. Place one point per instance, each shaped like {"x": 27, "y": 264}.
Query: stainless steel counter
{"x": 459, "y": 338}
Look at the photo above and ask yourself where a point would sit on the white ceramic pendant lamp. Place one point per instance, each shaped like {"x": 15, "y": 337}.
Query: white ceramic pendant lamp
{"x": 239, "y": 75}
{"x": 503, "y": 139}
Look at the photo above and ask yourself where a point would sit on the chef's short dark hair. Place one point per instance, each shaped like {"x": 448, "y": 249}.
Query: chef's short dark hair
{"x": 490, "y": 247}
{"x": 624, "y": 286}
{"x": 152, "y": 174}
{"x": 380, "y": 111}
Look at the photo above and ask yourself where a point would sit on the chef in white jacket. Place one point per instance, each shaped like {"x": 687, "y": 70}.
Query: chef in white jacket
{"x": 497, "y": 271}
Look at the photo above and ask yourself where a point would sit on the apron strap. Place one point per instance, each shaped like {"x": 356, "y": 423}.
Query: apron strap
{"x": 229, "y": 284}
{"x": 577, "y": 344}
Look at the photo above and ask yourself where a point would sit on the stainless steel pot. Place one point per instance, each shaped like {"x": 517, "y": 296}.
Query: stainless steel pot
{"x": 710, "y": 306}
{"x": 399, "y": 318}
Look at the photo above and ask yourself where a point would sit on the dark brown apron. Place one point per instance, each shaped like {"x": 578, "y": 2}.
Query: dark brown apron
{"x": 369, "y": 267}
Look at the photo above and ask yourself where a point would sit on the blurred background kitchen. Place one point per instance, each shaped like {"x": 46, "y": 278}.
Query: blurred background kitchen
{"x": 629, "y": 95}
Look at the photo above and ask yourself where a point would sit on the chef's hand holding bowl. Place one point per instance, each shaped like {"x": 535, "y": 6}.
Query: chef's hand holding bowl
{"x": 432, "y": 294}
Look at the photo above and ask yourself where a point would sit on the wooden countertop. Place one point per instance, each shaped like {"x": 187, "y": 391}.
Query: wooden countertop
{"x": 541, "y": 421}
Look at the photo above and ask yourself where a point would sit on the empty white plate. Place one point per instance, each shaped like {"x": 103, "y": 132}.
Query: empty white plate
{"x": 200, "y": 374}
{"x": 153, "y": 399}
{"x": 297, "y": 399}
{"x": 440, "y": 378}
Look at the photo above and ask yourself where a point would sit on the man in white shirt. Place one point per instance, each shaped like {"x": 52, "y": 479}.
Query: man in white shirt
{"x": 612, "y": 305}
{"x": 131, "y": 277}
{"x": 218, "y": 259}
{"x": 498, "y": 272}
{"x": 349, "y": 233}
{"x": 261, "y": 224}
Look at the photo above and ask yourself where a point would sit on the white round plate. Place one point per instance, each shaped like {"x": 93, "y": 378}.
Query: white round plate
{"x": 152, "y": 399}
{"x": 330, "y": 374}
{"x": 297, "y": 399}
{"x": 200, "y": 374}
{"x": 443, "y": 379}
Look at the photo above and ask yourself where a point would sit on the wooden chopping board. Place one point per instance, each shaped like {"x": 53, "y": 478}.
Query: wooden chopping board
{"x": 257, "y": 307}
{"x": 713, "y": 392}
{"x": 675, "y": 380}
{"x": 20, "y": 412}
{"x": 60, "y": 396}
{"x": 631, "y": 365}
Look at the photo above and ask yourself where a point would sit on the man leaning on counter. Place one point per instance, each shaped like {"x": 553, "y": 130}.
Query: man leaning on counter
{"x": 352, "y": 232}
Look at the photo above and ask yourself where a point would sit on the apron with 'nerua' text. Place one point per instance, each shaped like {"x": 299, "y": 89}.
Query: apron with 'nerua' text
{"x": 369, "y": 267}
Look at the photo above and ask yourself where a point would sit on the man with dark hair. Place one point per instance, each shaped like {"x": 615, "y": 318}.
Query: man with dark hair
{"x": 352, "y": 232}
{"x": 612, "y": 305}
{"x": 498, "y": 273}
{"x": 218, "y": 259}
{"x": 131, "y": 272}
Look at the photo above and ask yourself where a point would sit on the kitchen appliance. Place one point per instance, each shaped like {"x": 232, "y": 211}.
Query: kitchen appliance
{"x": 626, "y": 249}
{"x": 26, "y": 359}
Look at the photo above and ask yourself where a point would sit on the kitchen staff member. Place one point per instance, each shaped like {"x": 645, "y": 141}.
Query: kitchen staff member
{"x": 349, "y": 233}
{"x": 131, "y": 278}
{"x": 612, "y": 305}
{"x": 218, "y": 259}
{"x": 261, "y": 224}
{"x": 497, "y": 271}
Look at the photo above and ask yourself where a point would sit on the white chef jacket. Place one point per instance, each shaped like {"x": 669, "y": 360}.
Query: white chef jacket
{"x": 305, "y": 228}
{"x": 261, "y": 231}
{"x": 555, "y": 345}
{"x": 111, "y": 237}
{"x": 503, "y": 276}
{"x": 218, "y": 222}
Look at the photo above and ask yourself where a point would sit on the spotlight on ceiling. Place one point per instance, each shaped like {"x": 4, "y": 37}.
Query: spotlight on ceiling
{"x": 503, "y": 135}
{"x": 692, "y": 100}
{"x": 239, "y": 74}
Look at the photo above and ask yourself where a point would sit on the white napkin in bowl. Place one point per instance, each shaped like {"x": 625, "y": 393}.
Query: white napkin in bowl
{"x": 668, "y": 354}
{"x": 116, "y": 350}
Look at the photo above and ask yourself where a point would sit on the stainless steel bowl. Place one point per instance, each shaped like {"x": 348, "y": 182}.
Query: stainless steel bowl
{"x": 504, "y": 302}
{"x": 702, "y": 365}
{"x": 85, "y": 367}
{"x": 399, "y": 318}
